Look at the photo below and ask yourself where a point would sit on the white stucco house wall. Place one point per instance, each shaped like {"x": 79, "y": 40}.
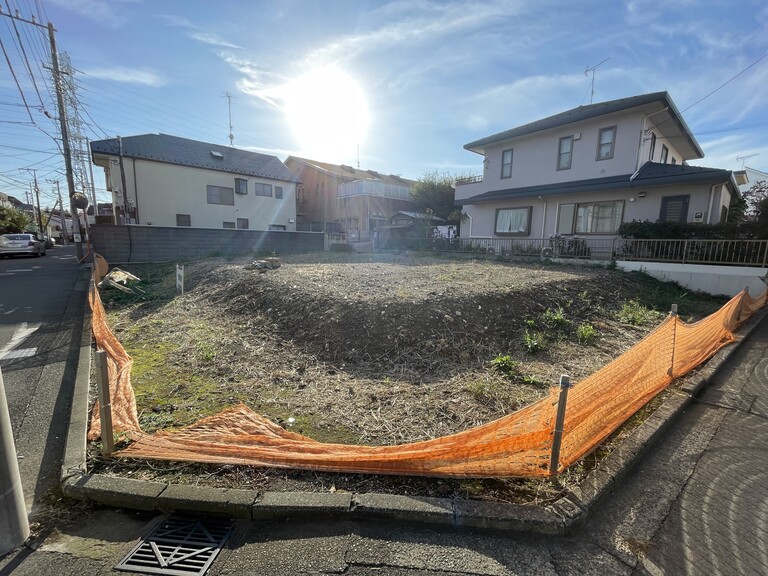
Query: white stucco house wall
{"x": 586, "y": 170}
{"x": 172, "y": 181}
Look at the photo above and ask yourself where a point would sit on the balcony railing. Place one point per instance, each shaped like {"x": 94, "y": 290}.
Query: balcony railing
{"x": 374, "y": 188}
{"x": 469, "y": 179}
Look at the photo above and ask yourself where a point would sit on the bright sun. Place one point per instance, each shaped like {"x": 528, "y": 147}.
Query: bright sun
{"x": 328, "y": 113}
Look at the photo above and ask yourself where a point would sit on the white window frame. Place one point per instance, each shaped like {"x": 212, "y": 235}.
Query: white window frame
{"x": 278, "y": 192}
{"x": 506, "y": 165}
{"x": 243, "y": 224}
{"x": 611, "y": 143}
{"x": 569, "y": 216}
{"x": 261, "y": 189}
{"x": 523, "y": 221}
{"x": 561, "y": 156}
{"x": 220, "y": 195}
{"x": 664, "y": 154}
{"x": 241, "y": 186}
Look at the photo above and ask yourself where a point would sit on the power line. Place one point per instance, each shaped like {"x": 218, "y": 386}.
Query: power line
{"x": 15, "y": 79}
{"x": 724, "y": 84}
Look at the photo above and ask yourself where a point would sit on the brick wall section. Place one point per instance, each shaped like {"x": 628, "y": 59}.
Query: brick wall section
{"x": 165, "y": 244}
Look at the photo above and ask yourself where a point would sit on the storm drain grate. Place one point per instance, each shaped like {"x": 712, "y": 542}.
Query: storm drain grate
{"x": 179, "y": 546}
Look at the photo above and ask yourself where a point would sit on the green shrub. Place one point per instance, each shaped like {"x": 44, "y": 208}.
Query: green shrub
{"x": 586, "y": 333}
{"x": 534, "y": 341}
{"x": 632, "y": 312}
{"x": 554, "y": 318}
{"x": 339, "y": 247}
{"x": 505, "y": 365}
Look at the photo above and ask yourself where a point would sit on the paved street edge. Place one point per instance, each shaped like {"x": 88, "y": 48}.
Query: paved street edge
{"x": 558, "y": 518}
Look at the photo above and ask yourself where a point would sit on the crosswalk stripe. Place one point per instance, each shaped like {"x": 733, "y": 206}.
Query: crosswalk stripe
{"x": 20, "y": 353}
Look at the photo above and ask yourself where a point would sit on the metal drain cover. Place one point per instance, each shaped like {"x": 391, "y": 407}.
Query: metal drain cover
{"x": 179, "y": 546}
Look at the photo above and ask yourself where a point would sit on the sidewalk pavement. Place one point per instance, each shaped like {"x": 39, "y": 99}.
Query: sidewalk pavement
{"x": 558, "y": 518}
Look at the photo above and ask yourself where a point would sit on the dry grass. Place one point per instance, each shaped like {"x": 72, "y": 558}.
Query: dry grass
{"x": 371, "y": 349}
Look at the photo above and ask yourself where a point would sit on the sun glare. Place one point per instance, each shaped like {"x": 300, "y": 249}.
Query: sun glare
{"x": 327, "y": 112}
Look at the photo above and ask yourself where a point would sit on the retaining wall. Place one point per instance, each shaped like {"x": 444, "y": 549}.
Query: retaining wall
{"x": 138, "y": 243}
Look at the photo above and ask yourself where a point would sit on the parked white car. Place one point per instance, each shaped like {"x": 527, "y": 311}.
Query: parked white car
{"x": 12, "y": 244}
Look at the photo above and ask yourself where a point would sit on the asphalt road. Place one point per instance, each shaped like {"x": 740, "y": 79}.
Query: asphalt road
{"x": 39, "y": 342}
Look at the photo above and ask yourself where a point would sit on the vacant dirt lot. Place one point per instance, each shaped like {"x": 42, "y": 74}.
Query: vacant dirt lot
{"x": 372, "y": 349}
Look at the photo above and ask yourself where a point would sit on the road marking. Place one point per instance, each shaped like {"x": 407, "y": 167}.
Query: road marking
{"x": 11, "y": 311}
{"x": 20, "y": 353}
{"x": 22, "y": 332}
{"x": 21, "y": 270}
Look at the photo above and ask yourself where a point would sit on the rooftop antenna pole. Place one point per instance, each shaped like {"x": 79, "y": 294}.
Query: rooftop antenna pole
{"x": 744, "y": 158}
{"x": 592, "y": 69}
{"x": 229, "y": 97}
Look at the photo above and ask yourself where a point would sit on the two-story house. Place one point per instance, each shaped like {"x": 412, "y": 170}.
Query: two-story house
{"x": 340, "y": 198}
{"x": 163, "y": 180}
{"x": 585, "y": 171}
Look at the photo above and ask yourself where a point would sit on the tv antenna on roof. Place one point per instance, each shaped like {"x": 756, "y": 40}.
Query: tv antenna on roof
{"x": 592, "y": 69}
{"x": 229, "y": 98}
{"x": 744, "y": 158}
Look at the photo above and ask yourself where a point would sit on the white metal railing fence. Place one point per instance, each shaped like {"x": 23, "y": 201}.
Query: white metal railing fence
{"x": 692, "y": 251}
{"x": 695, "y": 251}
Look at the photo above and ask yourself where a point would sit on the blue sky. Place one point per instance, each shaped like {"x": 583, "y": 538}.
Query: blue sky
{"x": 398, "y": 86}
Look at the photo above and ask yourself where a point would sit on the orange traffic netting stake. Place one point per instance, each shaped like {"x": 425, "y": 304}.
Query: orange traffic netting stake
{"x": 517, "y": 445}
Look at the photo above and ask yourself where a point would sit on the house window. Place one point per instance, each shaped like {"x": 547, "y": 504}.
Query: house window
{"x": 229, "y": 225}
{"x": 263, "y": 189}
{"x": 674, "y": 160}
{"x": 241, "y": 186}
{"x": 590, "y": 218}
{"x": 513, "y": 221}
{"x": 664, "y": 154}
{"x": 277, "y": 227}
{"x": 279, "y": 192}
{"x": 653, "y": 146}
{"x": 605, "y": 143}
{"x": 506, "y": 164}
{"x": 183, "y": 220}
{"x": 242, "y": 223}
{"x": 564, "y": 153}
{"x": 674, "y": 209}
{"x": 220, "y": 195}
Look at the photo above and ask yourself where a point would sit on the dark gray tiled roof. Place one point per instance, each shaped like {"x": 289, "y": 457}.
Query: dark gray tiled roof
{"x": 650, "y": 174}
{"x": 185, "y": 152}
{"x": 585, "y": 113}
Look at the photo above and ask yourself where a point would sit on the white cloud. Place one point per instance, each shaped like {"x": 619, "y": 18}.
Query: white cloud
{"x": 103, "y": 11}
{"x": 197, "y": 33}
{"x": 212, "y": 39}
{"x": 127, "y": 75}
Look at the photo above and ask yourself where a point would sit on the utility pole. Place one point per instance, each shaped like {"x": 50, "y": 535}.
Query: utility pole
{"x": 62, "y": 116}
{"x": 61, "y": 214}
{"x": 39, "y": 219}
{"x": 93, "y": 185}
{"x": 65, "y": 140}
{"x": 126, "y": 209}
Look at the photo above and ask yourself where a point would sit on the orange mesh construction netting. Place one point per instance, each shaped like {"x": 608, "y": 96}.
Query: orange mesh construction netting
{"x": 517, "y": 445}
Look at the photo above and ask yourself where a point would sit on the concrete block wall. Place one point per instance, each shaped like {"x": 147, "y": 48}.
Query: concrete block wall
{"x": 716, "y": 280}
{"x": 167, "y": 244}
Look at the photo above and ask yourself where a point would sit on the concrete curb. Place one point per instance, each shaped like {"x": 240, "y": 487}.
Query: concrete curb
{"x": 558, "y": 518}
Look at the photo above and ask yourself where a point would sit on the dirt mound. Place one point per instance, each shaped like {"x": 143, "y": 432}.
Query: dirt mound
{"x": 433, "y": 316}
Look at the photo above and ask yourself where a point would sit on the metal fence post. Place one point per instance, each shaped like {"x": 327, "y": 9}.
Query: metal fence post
{"x": 105, "y": 404}
{"x": 673, "y": 314}
{"x": 557, "y": 439}
{"x": 14, "y": 526}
